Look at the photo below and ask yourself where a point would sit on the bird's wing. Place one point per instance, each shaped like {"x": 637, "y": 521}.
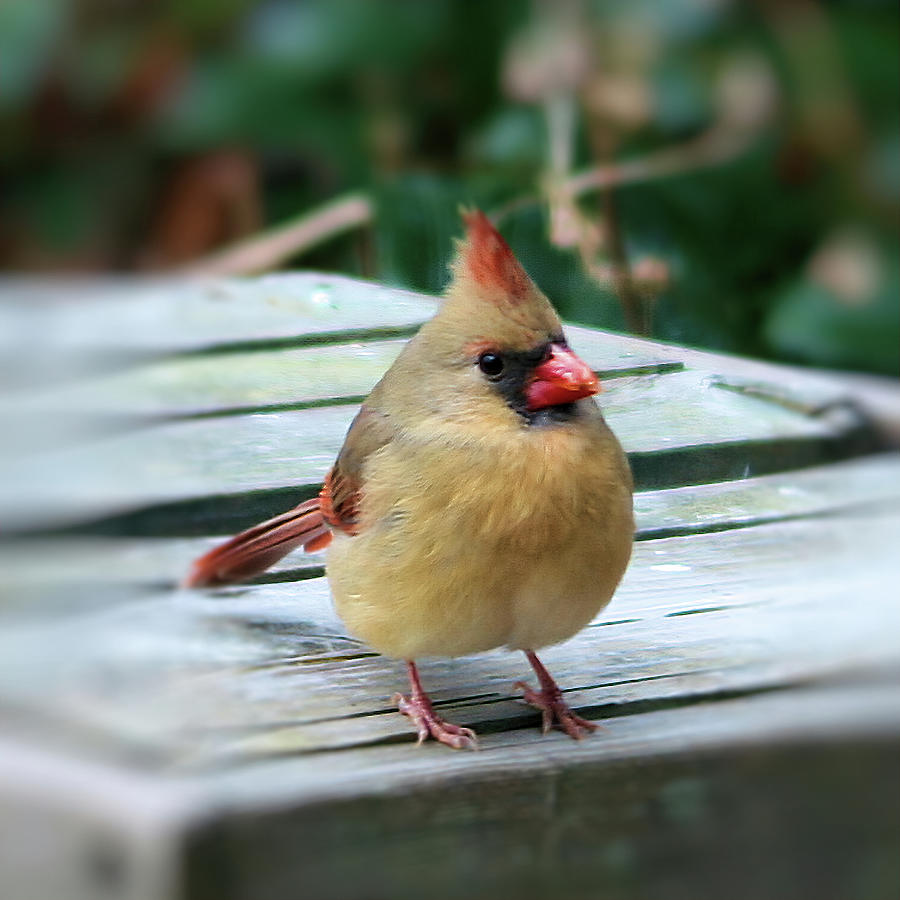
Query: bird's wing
{"x": 307, "y": 524}
{"x": 342, "y": 491}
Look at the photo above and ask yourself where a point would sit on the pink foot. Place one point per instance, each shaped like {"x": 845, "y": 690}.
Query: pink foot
{"x": 417, "y": 707}
{"x": 549, "y": 700}
{"x": 553, "y": 707}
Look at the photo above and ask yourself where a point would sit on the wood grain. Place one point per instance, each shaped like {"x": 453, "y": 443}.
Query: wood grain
{"x": 55, "y": 328}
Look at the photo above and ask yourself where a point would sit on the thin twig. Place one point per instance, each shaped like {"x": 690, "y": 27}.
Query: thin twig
{"x": 270, "y": 248}
{"x": 713, "y": 147}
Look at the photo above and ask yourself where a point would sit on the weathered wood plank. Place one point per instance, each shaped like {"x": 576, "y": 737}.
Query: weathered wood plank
{"x": 55, "y": 330}
{"x": 45, "y": 323}
{"x": 45, "y": 575}
{"x": 220, "y": 383}
{"x": 269, "y": 670}
{"x": 695, "y": 618}
{"x": 226, "y": 384}
{"x": 225, "y": 472}
{"x": 133, "y": 318}
{"x": 817, "y": 490}
{"x": 876, "y": 398}
{"x": 685, "y": 804}
{"x": 681, "y": 803}
{"x": 230, "y": 382}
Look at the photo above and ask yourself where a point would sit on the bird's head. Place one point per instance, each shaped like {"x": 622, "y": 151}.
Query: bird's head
{"x": 496, "y": 350}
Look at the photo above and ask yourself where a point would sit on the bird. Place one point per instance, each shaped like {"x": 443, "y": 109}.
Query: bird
{"x": 479, "y": 500}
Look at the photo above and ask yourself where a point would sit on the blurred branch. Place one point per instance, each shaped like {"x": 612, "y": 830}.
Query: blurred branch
{"x": 713, "y": 147}
{"x": 746, "y": 97}
{"x": 716, "y": 146}
{"x": 271, "y": 248}
{"x": 505, "y": 210}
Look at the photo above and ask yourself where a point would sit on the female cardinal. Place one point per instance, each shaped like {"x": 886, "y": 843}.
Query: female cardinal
{"x": 479, "y": 499}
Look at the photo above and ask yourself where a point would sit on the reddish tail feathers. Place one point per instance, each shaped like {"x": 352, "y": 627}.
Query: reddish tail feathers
{"x": 254, "y": 550}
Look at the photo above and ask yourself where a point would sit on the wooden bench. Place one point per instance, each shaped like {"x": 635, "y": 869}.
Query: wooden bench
{"x": 238, "y": 743}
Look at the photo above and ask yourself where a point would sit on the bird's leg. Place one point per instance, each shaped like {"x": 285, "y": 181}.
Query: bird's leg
{"x": 417, "y": 706}
{"x": 549, "y": 701}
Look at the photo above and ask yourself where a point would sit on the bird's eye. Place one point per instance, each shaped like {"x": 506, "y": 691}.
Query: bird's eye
{"x": 491, "y": 364}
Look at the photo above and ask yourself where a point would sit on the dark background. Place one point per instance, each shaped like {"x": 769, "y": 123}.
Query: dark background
{"x": 723, "y": 174}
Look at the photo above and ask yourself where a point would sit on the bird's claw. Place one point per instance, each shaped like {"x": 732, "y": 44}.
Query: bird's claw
{"x": 553, "y": 707}
{"x": 429, "y": 724}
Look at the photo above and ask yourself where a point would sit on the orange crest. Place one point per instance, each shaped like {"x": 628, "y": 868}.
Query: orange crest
{"x": 487, "y": 259}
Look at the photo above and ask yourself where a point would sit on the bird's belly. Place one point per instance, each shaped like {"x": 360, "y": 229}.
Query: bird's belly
{"x": 451, "y": 596}
{"x": 564, "y": 592}
{"x": 410, "y": 606}
{"x": 459, "y": 556}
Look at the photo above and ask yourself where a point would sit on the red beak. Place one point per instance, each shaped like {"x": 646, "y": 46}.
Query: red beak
{"x": 563, "y": 378}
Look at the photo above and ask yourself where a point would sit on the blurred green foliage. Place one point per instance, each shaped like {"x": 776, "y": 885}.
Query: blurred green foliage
{"x": 754, "y": 150}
